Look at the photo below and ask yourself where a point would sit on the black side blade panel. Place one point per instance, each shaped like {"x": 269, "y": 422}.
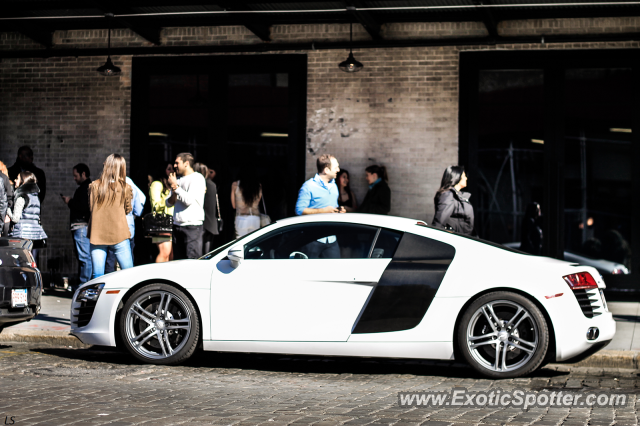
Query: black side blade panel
{"x": 407, "y": 287}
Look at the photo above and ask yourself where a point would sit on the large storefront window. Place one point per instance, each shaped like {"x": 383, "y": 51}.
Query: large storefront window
{"x": 178, "y": 118}
{"x": 509, "y": 151}
{"x": 555, "y": 128}
{"x": 598, "y": 125}
{"x": 239, "y": 115}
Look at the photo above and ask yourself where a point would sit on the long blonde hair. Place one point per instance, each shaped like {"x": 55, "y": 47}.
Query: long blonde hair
{"x": 3, "y": 168}
{"x": 114, "y": 174}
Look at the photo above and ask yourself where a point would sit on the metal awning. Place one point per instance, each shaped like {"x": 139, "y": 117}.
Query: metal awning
{"x": 38, "y": 19}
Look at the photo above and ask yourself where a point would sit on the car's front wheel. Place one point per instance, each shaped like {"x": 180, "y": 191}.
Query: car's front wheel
{"x": 503, "y": 335}
{"x": 159, "y": 324}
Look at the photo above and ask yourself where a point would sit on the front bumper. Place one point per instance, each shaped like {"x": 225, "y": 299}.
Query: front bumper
{"x": 95, "y": 325}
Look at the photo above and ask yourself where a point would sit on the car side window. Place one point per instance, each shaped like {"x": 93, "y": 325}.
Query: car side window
{"x": 386, "y": 244}
{"x": 314, "y": 241}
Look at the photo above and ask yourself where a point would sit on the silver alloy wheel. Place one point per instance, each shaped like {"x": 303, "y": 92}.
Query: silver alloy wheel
{"x": 158, "y": 324}
{"x": 501, "y": 331}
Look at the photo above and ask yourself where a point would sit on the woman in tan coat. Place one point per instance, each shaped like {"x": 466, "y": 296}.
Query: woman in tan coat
{"x": 110, "y": 201}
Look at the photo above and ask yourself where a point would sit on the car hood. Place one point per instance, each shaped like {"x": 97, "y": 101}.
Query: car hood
{"x": 187, "y": 273}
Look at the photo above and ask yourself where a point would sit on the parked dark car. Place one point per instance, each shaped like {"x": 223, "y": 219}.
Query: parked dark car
{"x": 20, "y": 282}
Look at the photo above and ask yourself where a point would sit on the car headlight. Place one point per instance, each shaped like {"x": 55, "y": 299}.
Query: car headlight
{"x": 90, "y": 293}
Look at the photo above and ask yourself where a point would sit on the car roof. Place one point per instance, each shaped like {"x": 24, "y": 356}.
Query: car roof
{"x": 364, "y": 218}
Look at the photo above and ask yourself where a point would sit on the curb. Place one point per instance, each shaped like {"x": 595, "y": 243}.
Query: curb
{"x": 49, "y": 338}
{"x": 609, "y": 359}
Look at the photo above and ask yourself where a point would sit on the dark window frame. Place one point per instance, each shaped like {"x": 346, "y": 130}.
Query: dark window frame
{"x": 553, "y": 63}
{"x": 218, "y": 67}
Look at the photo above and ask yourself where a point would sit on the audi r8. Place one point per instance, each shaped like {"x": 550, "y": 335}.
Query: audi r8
{"x": 353, "y": 285}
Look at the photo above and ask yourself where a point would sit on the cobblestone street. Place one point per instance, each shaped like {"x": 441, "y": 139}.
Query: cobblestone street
{"x": 59, "y": 386}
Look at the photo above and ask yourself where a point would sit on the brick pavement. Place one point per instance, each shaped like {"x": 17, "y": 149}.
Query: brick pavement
{"x": 60, "y": 386}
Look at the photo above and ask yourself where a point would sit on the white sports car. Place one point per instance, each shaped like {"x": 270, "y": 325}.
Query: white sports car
{"x": 353, "y": 285}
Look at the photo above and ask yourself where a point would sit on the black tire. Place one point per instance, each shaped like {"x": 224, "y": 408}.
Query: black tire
{"x": 160, "y": 325}
{"x": 520, "y": 346}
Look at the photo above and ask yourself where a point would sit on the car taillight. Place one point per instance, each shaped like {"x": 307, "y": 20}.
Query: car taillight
{"x": 580, "y": 281}
{"x": 33, "y": 261}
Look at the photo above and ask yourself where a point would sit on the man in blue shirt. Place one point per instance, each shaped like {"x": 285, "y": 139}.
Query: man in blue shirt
{"x": 137, "y": 202}
{"x": 320, "y": 195}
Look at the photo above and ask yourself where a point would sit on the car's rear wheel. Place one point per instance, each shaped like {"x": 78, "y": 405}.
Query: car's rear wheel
{"x": 159, "y": 324}
{"x": 503, "y": 334}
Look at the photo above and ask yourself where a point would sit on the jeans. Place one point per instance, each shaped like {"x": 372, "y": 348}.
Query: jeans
{"x": 187, "y": 242}
{"x": 99, "y": 256}
{"x": 110, "y": 265}
{"x": 83, "y": 251}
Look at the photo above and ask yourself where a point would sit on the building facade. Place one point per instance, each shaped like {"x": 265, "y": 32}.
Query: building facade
{"x": 404, "y": 110}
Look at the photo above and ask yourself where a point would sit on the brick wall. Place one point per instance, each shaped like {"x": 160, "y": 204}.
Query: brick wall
{"x": 400, "y": 111}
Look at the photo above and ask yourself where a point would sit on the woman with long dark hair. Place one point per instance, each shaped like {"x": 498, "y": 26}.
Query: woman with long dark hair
{"x": 110, "y": 201}
{"x": 346, "y": 197}
{"x": 378, "y": 198}
{"x": 246, "y": 194}
{"x": 25, "y": 214}
{"x": 159, "y": 191}
{"x": 453, "y": 209}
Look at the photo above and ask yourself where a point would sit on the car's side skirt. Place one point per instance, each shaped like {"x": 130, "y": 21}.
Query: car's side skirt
{"x": 421, "y": 350}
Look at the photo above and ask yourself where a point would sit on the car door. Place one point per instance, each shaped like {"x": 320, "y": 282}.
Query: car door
{"x": 301, "y": 283}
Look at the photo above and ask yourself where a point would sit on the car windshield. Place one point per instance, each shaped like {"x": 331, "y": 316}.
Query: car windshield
{"x": 220, "y": 249}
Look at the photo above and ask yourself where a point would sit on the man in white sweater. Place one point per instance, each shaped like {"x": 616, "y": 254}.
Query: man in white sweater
{"x": 187, "y": 195}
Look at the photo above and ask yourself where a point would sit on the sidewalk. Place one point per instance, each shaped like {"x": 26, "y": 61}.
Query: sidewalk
{"x": 52, "y": 326}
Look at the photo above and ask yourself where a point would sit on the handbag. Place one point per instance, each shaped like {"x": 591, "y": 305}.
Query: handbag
{"x": 264, "y": 217}
{"x": 220, "y": 221}
{"x": 157, "y": 223}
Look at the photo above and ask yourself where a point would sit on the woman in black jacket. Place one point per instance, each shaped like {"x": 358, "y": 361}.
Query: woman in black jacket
{"x": 378, "y": 198}
{"x": 453, "y": 209}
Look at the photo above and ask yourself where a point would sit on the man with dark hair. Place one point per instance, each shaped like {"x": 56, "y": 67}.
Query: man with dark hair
{"x": 23, "y": 163}
{"x": 187, "y": 195}
{"x": 320, "y": 193}
{"x": 186, "y": 157}
{"x": 79, "y": 220}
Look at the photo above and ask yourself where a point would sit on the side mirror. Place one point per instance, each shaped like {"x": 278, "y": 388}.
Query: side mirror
{"x": 236, "y": 255}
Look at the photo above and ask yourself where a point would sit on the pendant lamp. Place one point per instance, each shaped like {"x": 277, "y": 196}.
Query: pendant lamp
{"x": 108, "y": 69}
{"x": 350, "y": 65}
